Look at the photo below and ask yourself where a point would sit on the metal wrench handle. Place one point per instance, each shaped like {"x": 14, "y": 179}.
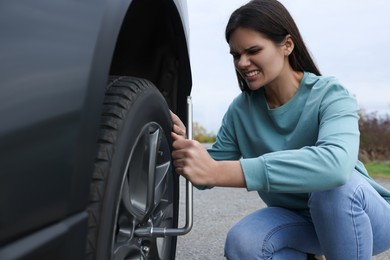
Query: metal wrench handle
{"x": 163, "y": 232}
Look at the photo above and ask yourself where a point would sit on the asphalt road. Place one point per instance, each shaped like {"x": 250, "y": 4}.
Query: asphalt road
{"x": 215, "y": 211}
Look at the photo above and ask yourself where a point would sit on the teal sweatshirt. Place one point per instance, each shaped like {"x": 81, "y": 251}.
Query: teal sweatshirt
{"x": 309, "y": 144}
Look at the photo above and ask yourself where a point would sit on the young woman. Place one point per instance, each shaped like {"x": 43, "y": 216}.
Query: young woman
{"x": 291, "y": 135}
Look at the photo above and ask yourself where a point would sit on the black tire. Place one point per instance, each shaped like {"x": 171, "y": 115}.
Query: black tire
{"x": 133, "y": 183}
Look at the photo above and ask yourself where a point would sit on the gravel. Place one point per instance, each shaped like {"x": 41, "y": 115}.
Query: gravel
{"x": 215, "y": 211}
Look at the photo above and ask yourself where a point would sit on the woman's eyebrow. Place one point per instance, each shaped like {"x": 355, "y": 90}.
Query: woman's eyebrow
{"x": 254, "y": 47}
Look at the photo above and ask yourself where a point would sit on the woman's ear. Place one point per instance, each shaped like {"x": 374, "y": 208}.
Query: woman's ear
{"x": 288, "y": 45}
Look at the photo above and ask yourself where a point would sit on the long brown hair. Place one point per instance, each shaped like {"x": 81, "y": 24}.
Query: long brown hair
{"x": 272, "y": 20}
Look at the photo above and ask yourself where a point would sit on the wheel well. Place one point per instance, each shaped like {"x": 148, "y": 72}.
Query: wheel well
{"x": 152, "y": 45}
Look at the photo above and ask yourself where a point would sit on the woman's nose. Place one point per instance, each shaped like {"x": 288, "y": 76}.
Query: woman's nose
{"x": 243, "y": 62}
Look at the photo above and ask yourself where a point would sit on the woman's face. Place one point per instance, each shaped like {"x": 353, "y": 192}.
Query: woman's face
{"x": 258, "y": 60}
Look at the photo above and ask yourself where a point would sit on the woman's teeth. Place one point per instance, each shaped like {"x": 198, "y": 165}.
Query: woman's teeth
{"x": 252, "y": 73}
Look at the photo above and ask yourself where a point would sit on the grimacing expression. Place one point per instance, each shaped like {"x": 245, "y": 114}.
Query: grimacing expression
{"x": 257, "y": 59}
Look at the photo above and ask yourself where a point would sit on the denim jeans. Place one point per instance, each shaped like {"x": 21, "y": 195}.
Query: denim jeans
{"x": 348, "y": 222}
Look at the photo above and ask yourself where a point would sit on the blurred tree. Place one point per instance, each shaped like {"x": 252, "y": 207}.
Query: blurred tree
{"x": 374, "y": 137}
{"x": 201, "y": 135}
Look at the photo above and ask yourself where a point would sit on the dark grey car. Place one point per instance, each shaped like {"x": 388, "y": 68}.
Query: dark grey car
{"x": 85, "y": 92}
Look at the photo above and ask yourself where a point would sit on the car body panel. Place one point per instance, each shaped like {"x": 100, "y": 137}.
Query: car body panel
{"x": 55, "y": 59}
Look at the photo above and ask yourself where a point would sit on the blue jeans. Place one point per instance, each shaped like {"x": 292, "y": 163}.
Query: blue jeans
{"x": 348, "y": 222}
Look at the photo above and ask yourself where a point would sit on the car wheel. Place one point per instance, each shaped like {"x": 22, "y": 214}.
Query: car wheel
{"x": 133, "y": 182}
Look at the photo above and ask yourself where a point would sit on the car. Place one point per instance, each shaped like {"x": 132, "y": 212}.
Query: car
{"x": 86, "y": 89}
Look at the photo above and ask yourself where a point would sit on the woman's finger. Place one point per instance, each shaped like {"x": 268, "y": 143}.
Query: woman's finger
{"x": 178, "y": 126}
{"x": 179, "y": 141}
{"x": 178, "y": 130}
{"x": 176, "y": 119}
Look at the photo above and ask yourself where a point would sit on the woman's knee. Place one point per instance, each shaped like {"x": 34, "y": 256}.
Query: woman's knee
{"x": 265, "y": 232}
{"x": 238, "y": 245}
{"x": 322, "y": 200}
{"x": 334, "y": 200}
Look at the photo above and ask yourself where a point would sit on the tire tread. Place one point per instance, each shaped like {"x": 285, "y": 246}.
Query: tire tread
{"x": 121, "y": 92}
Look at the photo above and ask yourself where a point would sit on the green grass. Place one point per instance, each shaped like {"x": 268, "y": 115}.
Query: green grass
{"x": 378, "y": 169}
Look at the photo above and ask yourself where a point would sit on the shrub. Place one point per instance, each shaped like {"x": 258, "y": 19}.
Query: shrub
{"x": 374, "y": 137}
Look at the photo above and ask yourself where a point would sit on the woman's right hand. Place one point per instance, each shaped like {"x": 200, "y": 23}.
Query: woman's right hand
{"x": 193, "y": 161}
{"x": 178, "y": 126}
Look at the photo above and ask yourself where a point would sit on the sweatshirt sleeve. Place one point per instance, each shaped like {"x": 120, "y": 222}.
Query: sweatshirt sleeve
{"x": 325, "y": 165}
{"x": 225, "y": 147}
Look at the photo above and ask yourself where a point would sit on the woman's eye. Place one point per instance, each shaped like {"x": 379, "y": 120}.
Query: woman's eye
{"x": 236, "y": 56}
{"x": 253, "y": 52}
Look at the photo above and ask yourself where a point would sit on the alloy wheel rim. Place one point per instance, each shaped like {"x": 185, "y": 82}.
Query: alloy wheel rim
{"x": 145, "y": 200}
